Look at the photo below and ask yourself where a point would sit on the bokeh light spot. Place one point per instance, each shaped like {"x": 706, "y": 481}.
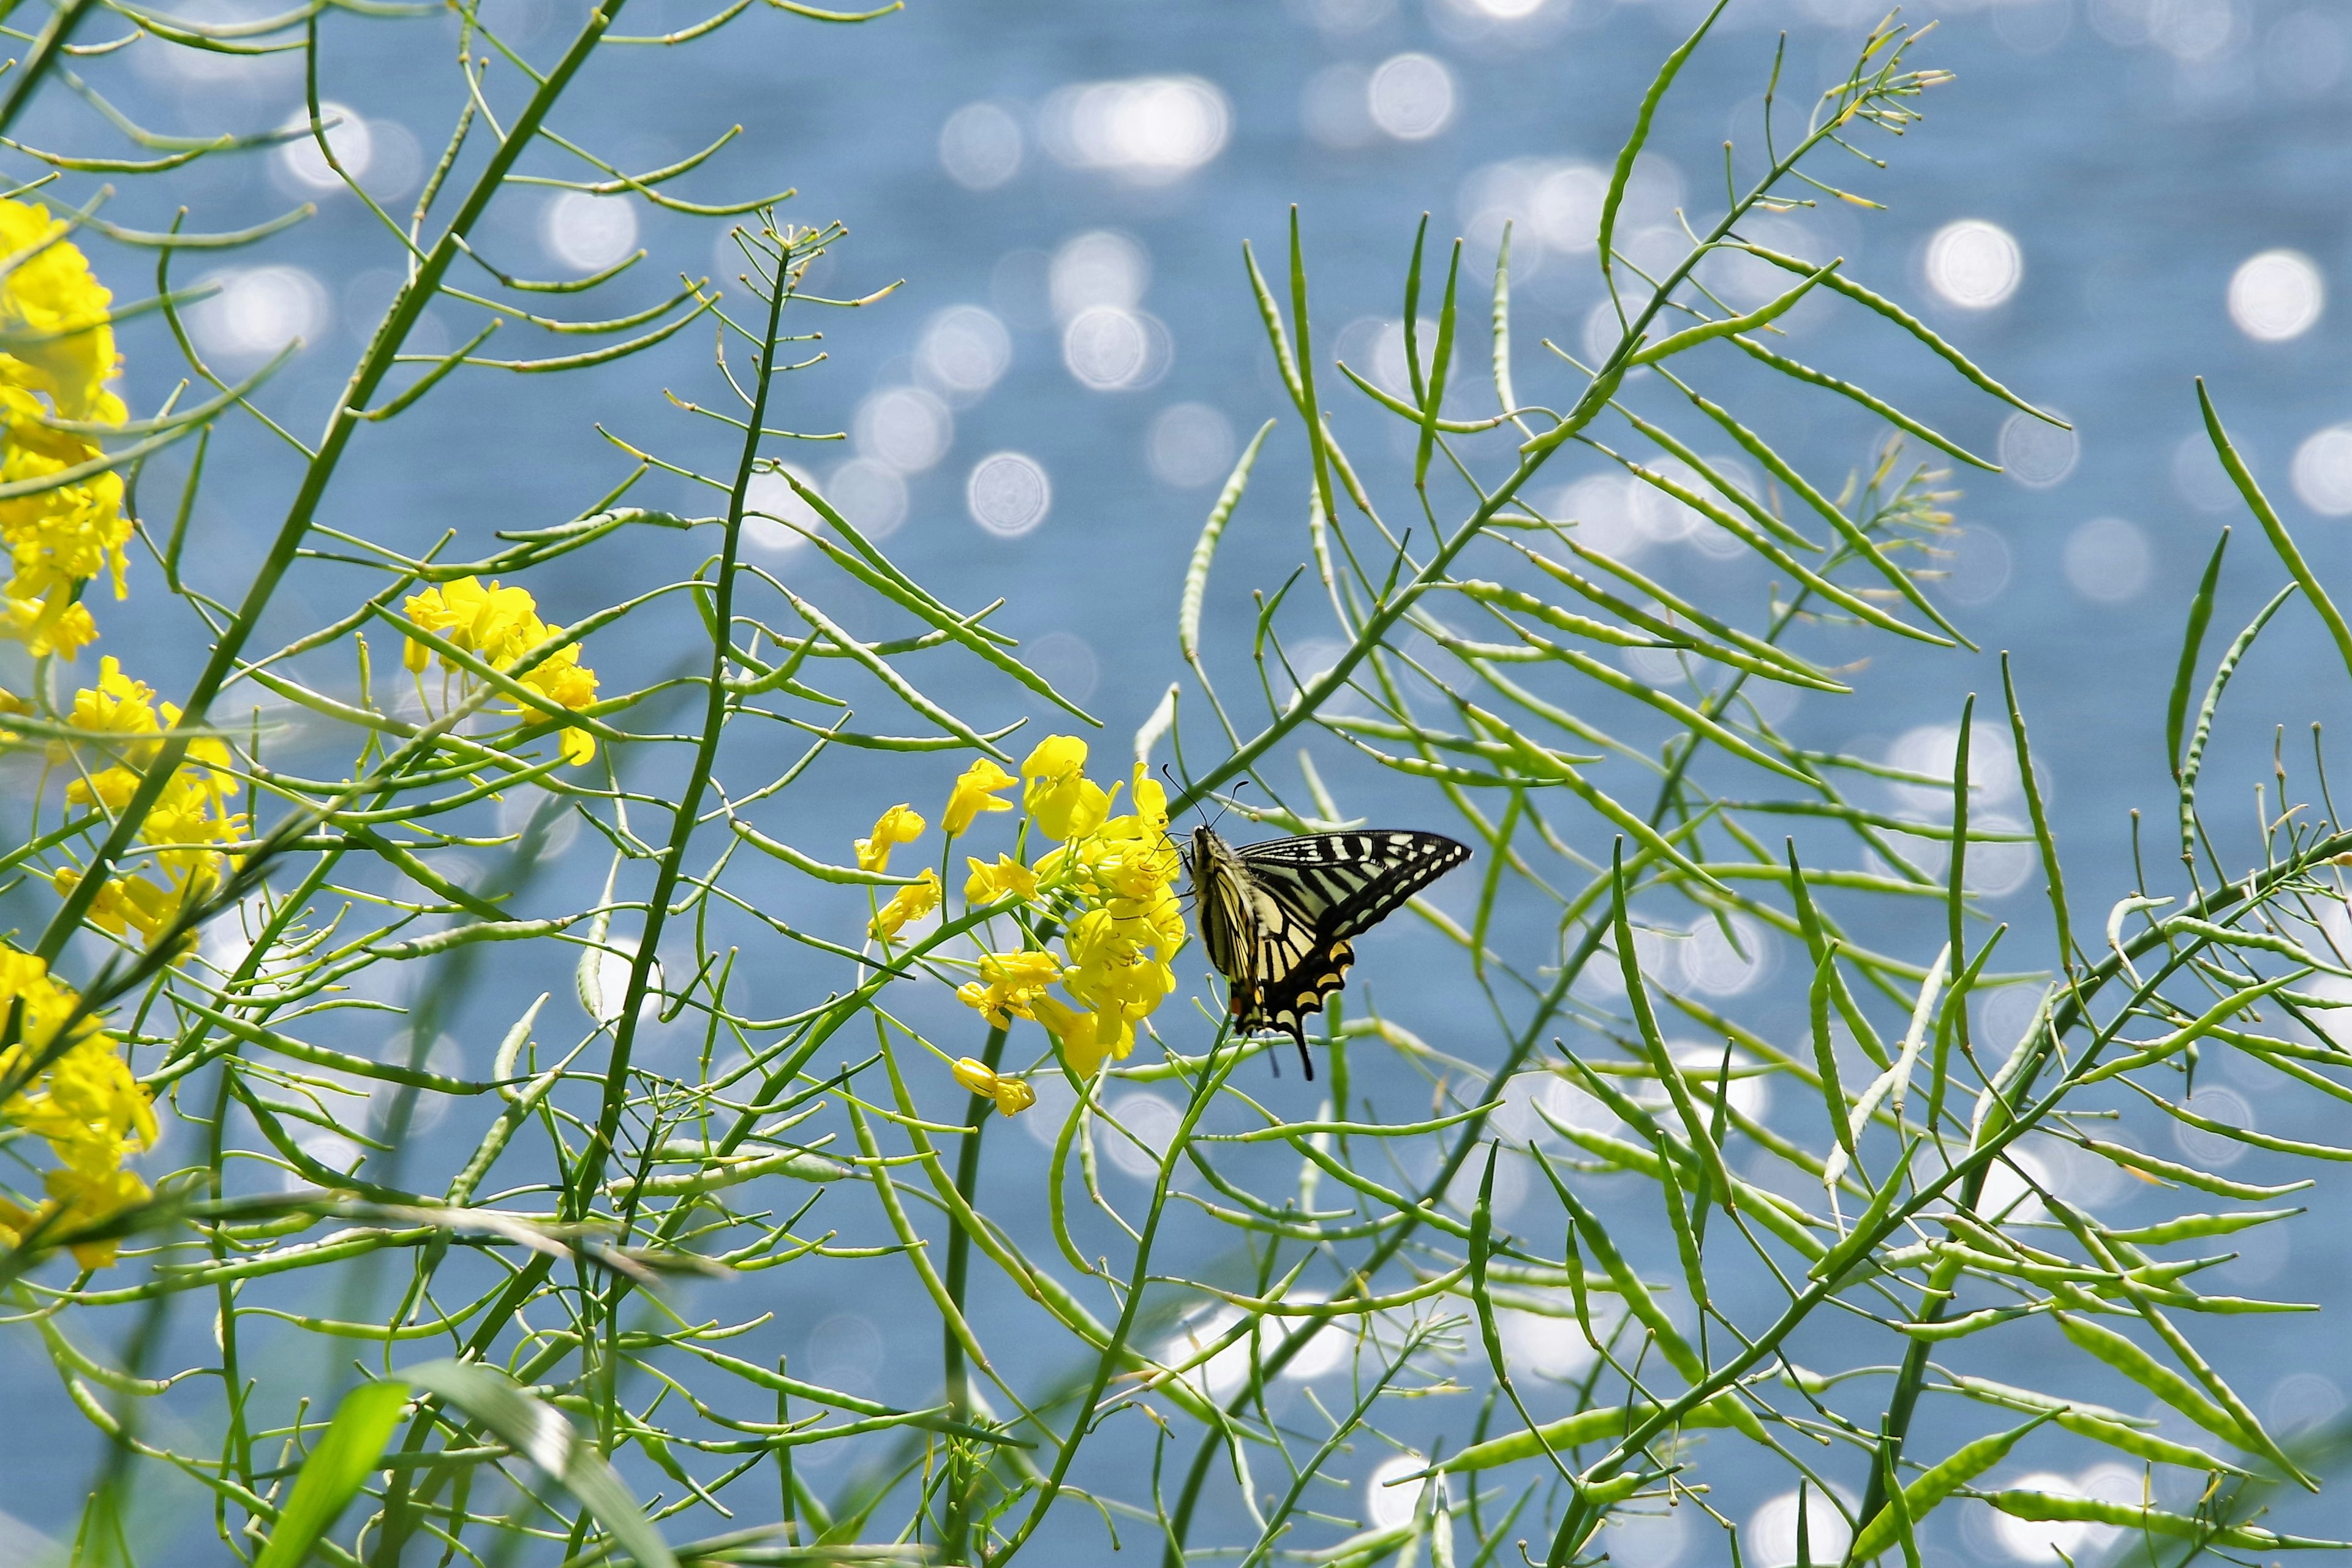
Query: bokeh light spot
{"x": 1008, "y": 494}
{"x": 1974, "y": 264}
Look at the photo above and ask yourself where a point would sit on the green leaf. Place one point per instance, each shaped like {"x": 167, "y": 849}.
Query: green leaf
{"x": 335, "y": 1471}
{"x": 1196, "y": 574}
{"x": 1972, "y": 1460}
{"x": 2053, "y": 878}
{"x": 541, "y": 1434}
{"x": 1633, "y": 148}
{"x": 2159, "y": 1379}
{"x": 2192, "y": 760}
{"x": 2192, "y": 639}
{"x": 2280, "y": 540}
{"x": 2049, "y": 1506}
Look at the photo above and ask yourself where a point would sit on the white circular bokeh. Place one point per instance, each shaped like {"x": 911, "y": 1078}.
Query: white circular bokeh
{"x": 2322, "y": 473}
{"x": 1390, "y": 1500}
{"x": 589, "y": 232}
{"x": 1226, "y": 1372}
{"x": 1718, "y": 966}
{"x": 603, "y": 981}
{"x": 259, "y": 310}
{"x": 903, "y": 428}
{"x": 1150, "y": 1122}
{"x": 1973, "y": 264}
{"x": 769, "y": 502}
{"x": 1934, "y": 750}
{"x": 1100, "y": 266}
{"x": 346, "y": 133}
{"x": 2277, "y": 295}
{"x": 1146, "y": 131}
{"x": 1600, "y": 507}
{"x": 1770, "y": 1537}
{"x": 1008, "y": 494}
{"x": 1996, "y": 871}
{"x": 2214, "y": 1104}
{"x": 1190, "y": 445}
{"x": 964, "y": 351}
{"x": 2108, "y": 561}
{"x": 1324, "y": 1351}
{"x": 517, "y": 809}
{"x": 1541, "y": 1345}
{"x": 2036, "y": 453}
{"x": 2010, "y": 1190}
{"x": 1568, "y": 205}
{"x": 1646, "y": 1539}
{"x": 1109, "y": 349}
{"x": 980, "y": 146}
{"x": 871, "y": 496}
{"x": 1411, "y": 97}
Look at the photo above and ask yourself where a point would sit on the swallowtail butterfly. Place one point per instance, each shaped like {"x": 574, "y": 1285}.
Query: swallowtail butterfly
{"x": 1276, "y": 917}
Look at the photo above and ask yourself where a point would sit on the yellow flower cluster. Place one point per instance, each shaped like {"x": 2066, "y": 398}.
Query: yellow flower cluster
{"x": 498, "y": 626}
{"x": 84, "y": 1103}
{"x": 1124, "y": 925}
{"x": 57, "y": 355}
{"x": 56, "y": 352}
{"x": 188, "y": 818}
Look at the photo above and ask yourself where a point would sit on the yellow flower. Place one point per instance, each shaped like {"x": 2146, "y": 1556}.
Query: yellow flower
{"x": 1061, "y": 800}
{"x": 84, "y": 1200}
{"x": 895, "y": 826}
{"x": 54, "y": 317}
{"x": 191, "y": 813}
{"x": 118, "y": 706}
{"x": 974, "y": 792}
{"x": 55, "y": 313}
{"x": 83, "y": 1103}
{"x": 49, "y": 626}
{"x": 1011, "y": 1094}
{"x": 123, "y": 902}
{"x": 494, "y": 621}
{"x": 1086, "y": 1038}
{"x": 911, "y": 902}
{"x": 499, "y": 626}
{"x": 1008, "y": 983}
{"x": 1007, "y": 878}
{"x": 1111, "y": 970}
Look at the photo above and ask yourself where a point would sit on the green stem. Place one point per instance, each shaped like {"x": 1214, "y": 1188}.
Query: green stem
{"x": 407, "y": 307}
{"x": 590, "y": 1172}
{"x": 955, "y": 1538}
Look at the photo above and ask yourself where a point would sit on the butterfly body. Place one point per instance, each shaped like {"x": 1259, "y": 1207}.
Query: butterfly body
{"x": 1279, "y": 918}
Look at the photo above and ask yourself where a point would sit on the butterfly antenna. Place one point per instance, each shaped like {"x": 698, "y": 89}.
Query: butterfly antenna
{"x": 1221, "y": 807}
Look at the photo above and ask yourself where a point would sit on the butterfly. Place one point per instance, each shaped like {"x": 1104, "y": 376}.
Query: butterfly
{"x": 1276, "y": 917}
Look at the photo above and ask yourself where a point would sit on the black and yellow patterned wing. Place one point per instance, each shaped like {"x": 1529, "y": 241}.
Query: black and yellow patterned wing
{"x": 1277, "y": 918}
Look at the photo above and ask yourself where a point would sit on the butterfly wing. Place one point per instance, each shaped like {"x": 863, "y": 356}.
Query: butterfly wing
{"x": 1277, "y": 918}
